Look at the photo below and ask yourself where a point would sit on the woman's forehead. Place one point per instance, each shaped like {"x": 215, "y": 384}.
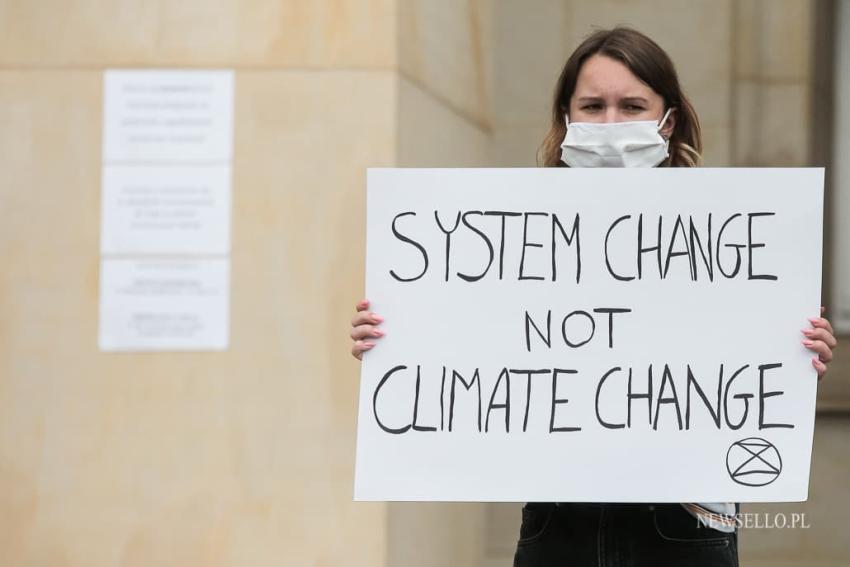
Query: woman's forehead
{"x": 603, "y": 77}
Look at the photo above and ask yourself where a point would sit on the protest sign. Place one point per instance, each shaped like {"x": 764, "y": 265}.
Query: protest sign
{"x": 602, "y": 335}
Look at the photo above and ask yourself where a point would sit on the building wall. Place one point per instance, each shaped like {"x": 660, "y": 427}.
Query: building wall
{"x": 444, "y": 120}
{"x": 841, "y": 170}
{"x": 237, "y": 458}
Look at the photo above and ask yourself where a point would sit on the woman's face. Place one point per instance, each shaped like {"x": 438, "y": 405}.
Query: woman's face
{"x": 607, "y": 91}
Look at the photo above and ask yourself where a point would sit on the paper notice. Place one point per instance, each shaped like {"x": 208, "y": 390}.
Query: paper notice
{"x": 164, "y": 304}
{"x": 165, "y": 210}
{"x": 174, "y": 115}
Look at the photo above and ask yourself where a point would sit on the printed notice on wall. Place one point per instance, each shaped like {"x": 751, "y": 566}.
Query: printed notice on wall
{"x": 167, "y": 116}
{"x": 166, "y": 197}
{"x": 166, "y": 209}
{"x": 164, "y": 304}
{"x": 598, "y": 335}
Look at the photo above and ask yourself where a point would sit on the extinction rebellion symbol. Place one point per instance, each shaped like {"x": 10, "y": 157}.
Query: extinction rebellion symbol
{"x": 753, "y": 462}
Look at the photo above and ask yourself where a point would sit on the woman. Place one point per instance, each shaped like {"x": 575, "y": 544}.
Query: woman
{"x": 618, "y": 102}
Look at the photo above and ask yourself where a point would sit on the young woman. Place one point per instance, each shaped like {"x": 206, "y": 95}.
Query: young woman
{"x": 618, "y": 103}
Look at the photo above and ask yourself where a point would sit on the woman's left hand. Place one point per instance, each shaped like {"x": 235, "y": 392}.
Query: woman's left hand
{"x": 820, "y": 339}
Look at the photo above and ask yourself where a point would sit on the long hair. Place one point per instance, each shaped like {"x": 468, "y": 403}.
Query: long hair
{"x": 650, "y": 64}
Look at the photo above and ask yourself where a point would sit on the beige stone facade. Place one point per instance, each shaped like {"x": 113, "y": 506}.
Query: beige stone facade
{"x": 246, "y": 457}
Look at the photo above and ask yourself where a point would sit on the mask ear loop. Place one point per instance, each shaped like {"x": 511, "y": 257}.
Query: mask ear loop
{"x": 664, "y": 119}
{"x": 566, "y": 120}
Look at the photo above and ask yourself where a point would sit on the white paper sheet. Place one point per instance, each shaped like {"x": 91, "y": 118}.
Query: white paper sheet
{"x": 164, "y": 305}
{"x": 165, "y": 209}
{"x": 167, "y": 116}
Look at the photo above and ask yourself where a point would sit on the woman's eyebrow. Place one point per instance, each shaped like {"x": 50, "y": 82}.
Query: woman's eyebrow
{"x": 639, "y": 99}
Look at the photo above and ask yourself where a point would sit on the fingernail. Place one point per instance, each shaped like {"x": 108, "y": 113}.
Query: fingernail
{"x": 377, "y": 333}
{"x": 377, "y": 317}
{"x": 808, "y": 342}
{"x": 806, "y": 331}
{"x": 368, "y": 345}
{"x": 814, "y": 319}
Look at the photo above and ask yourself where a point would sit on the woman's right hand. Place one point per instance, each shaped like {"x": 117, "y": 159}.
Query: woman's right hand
{"x": 364, "y": 329}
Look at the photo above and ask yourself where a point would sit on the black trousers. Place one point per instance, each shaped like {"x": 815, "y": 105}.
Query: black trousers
{"x": 619, "y": 535}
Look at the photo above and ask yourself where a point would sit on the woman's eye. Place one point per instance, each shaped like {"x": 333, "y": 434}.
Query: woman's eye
{"x": 592, "y": 107}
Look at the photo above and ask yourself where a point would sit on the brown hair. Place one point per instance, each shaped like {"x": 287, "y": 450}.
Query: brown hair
{"x": 650, "y": 64}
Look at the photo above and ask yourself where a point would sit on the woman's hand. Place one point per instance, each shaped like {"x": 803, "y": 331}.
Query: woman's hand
{"x": 364, "y": 326}
{"x": 820, "y": 339}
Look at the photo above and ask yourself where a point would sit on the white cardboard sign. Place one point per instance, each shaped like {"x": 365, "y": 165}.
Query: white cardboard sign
{"x": 600, "y": 335}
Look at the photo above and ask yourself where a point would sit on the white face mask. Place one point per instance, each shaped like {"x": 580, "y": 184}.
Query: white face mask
{"x": 615, "y": 144}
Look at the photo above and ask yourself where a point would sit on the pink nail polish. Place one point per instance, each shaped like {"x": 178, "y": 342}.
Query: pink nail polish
{"x": 377, "y": 333}
{"x": 808, "y": 342}
{"x": 368, "y": 345}
{"x": 377, "y": 318}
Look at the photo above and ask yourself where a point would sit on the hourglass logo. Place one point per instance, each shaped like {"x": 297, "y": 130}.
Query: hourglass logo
{"x": 753, "y": 462}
